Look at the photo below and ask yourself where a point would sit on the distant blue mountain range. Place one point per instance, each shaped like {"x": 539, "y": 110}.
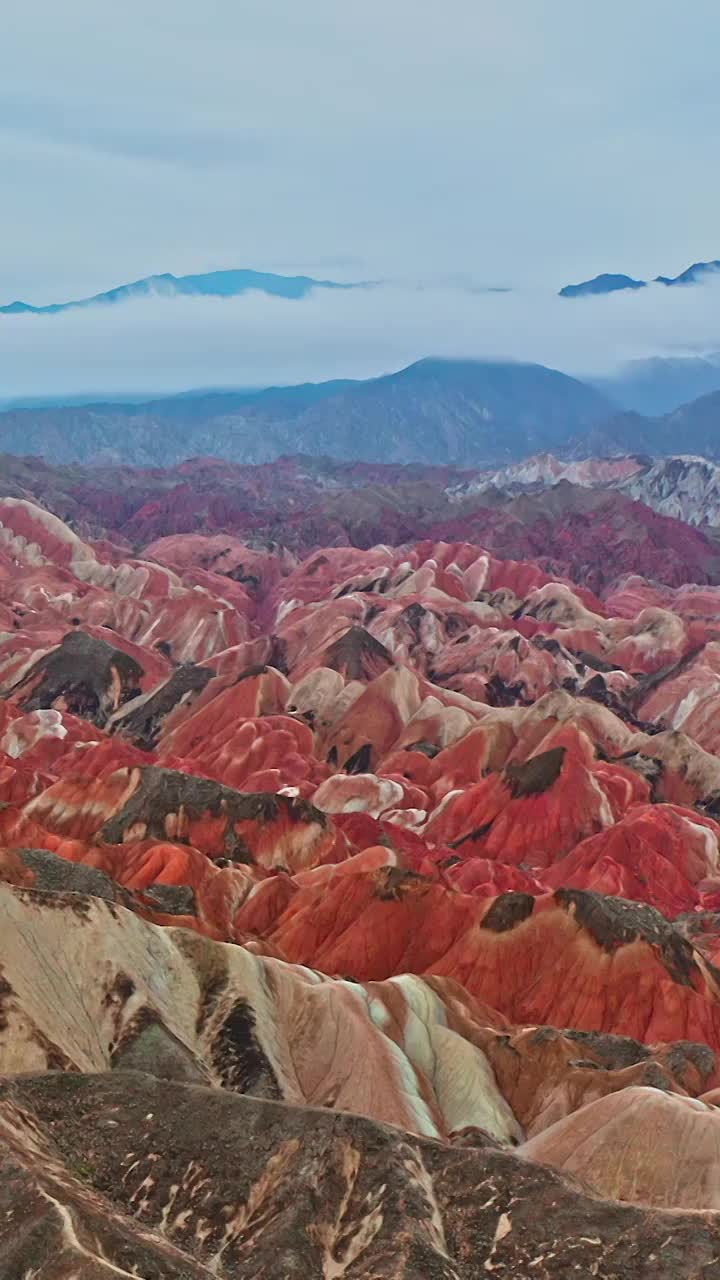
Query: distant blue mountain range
{"x": 605, "y": 283}
{"x": 233, "y": 283}
{"x": 211, "y": 284}
{"x": 609, "y": 283}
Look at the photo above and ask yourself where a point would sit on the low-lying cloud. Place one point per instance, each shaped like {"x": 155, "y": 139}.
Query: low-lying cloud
{"x": 157, "y": 345}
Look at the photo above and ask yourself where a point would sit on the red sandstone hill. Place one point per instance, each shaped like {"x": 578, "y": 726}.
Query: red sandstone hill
{"x": 387, "y": 874}
{"x": 589, "y": 529}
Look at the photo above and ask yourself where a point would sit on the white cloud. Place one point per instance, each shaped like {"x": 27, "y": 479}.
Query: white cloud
{"x": 158, "y": 344}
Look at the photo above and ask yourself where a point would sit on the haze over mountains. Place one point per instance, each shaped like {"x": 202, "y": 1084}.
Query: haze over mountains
{"x": 458, "y": 412}
{"x": 233, "y": 282}
{"x": 444, "y": 412}
{"x": 609, "y": 282}
{"x": 210, "y": 284}
{"x": 241, "y": 331}
{"x": 661, "y": 383}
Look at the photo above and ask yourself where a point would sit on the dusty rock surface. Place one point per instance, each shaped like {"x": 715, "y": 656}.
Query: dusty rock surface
{"x": 359, "y": 914}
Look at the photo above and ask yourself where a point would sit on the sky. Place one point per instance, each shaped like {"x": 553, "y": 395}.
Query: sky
{"x": 523, "y": 143}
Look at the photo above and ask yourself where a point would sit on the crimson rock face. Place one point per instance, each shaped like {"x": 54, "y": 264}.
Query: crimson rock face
{"x": 416, "y": 836}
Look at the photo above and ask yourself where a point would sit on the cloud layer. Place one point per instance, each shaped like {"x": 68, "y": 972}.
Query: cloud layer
{"x": 159, "y": 344}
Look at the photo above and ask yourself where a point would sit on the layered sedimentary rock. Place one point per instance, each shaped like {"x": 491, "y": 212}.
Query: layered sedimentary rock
{"x": 601, "y": 517}
{"x": 148, "y": 1032}
{"x": 642, "y": 1145}
{"x": 413, "y": 833}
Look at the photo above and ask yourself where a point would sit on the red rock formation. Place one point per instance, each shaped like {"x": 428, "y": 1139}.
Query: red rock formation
{"x": 479, "y": 790}
{"x": 571, "y": 959}
{"x": 659, "y": 854}
{"x": 641, "y": 1145}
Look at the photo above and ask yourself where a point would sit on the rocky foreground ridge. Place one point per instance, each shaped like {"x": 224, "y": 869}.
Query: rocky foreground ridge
{"x": 360, "y": 913}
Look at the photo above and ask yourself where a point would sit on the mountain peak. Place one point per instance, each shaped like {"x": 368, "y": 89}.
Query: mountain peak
{"x": 610, "y": 283}
{"x": 605, "y": 283}
{"x": 229, "y": 283}
{"x": 692, "y": 275}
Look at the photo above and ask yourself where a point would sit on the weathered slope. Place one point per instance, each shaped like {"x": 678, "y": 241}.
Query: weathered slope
{"x": 87, "y": 985}
{"x": 254, "y": 1190}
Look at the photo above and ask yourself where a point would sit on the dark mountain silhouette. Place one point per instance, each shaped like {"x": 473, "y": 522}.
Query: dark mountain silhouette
{"x": 441, "y": 411}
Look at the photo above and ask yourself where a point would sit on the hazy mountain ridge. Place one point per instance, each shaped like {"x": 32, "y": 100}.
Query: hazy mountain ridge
{"x": 692, "y": 428}
{"x": 232, "y": 282}
{"x": 210, "y": 284}
{"x": 609, "y": 282}
{"x": 662, "y": 383}
{"x": 434, "y": 411}
{"x": 440, "y": 412}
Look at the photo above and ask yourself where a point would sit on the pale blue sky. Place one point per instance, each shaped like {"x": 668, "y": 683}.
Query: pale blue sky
{"x": 499, "y": 141}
